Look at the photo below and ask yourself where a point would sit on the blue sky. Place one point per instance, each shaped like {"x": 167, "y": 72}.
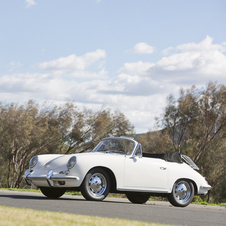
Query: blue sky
{"x": 124, "y": 54}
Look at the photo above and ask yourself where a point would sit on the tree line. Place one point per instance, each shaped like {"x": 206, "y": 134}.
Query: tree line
{"x": 30, "y": 129}
{"x": 193, "y": 123}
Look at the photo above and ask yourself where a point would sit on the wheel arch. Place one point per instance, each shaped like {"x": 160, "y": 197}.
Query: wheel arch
{"x": 188, "y": 179}
{"x": 113, "y": 183}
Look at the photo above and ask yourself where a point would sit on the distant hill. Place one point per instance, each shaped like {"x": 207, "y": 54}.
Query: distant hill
{"x": 137, "y": 136}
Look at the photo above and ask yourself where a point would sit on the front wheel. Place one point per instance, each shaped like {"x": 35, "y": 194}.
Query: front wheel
{"x": 96, "y": 185}
{"x": 138, "y": 198}
{"x": 182, "y": 193}
{"x": 53, "y": 193}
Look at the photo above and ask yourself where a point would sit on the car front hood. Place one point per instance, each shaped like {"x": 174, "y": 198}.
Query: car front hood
{"x": 52, "y": 161}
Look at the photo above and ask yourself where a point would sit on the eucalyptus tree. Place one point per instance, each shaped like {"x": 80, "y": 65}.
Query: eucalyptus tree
{"x": 195, "y": 122}
{"x": 31, "y": 129}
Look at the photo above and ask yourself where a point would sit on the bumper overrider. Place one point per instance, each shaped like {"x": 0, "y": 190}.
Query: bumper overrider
{"x": 50, "y": 177}
{"x": 203, "y": 189}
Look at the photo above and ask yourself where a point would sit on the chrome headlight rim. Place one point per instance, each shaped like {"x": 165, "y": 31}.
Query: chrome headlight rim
{"x": 33, "y": 162}
{"x": 71, "y": 162}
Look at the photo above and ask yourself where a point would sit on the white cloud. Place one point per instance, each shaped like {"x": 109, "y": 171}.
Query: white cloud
{"x": 136, "y": 68}
{"x": 13, "y": 65}
{"x": 139, "y": 90}
{"x": 205, "y": 45}
{"x": 102, "y": 74}
{"x": 129, "y": 85}
{"x": 75, "y": 65}
{"x": 73, "y": 62}
{"x": 141, "y": 48}
{"x": 193, "y": 64}
{"x": 168, "y": 50}
{"x": 129, "y": 96}
{"x": 30, "y": 3}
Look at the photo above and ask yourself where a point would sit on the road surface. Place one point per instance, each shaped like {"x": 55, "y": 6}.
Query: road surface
{"x": 155, "y": 212}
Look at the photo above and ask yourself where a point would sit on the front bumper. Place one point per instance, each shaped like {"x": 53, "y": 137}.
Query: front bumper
{"x": 204, "y": 189}
{"x": 50, "y": 179}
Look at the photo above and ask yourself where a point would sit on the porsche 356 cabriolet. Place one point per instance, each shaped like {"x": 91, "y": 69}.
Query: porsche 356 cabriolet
{"x": 118, "y": 165}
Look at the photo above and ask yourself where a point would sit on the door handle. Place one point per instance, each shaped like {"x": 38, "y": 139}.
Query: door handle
{"x": 162, "y": 167}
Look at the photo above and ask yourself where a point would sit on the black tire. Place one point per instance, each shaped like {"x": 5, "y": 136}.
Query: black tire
{"x": 138, "y": 198}
{"x": 53, "y": 193}
{"x": 96, "y": 185}
{"x": 182, "y": 193}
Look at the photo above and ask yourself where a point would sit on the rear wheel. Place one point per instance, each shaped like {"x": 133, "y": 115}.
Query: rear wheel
{"x": 138, "y": 198}
{"x": 52, "y": 192}
{"x": 96, "y": 185}
{"x": 182, "y": 193}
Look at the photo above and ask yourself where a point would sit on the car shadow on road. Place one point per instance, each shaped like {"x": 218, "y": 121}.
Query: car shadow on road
{"x": 37, "y": 197}
{"x": 34, "y": 197}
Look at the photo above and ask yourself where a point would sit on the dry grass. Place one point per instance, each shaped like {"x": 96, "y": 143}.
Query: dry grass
{"x": 25, "y": 217}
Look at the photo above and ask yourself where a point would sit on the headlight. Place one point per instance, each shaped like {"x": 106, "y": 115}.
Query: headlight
{"x": 33, "y": 161}
{"x": 71, "y": 162}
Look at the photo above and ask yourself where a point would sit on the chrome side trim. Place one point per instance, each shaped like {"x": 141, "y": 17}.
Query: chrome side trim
{"x": 140, "y": 190}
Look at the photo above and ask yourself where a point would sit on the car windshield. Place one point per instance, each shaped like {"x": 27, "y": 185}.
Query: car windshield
{"x": 121, "y": 146}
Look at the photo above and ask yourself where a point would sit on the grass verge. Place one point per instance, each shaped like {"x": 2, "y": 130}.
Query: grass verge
{"x": 26, "y": 217}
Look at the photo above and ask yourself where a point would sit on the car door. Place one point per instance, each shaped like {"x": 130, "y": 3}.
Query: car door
{"x": 145, "y": 173}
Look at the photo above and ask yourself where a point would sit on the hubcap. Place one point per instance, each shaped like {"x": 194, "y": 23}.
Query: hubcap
{"x": 97, "y": 184}
{"x": 182, "y": 192}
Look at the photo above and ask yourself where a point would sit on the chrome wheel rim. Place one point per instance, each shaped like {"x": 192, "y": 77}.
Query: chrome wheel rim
{"x": 97, "y": 184}
{"x": 182, "y": 192}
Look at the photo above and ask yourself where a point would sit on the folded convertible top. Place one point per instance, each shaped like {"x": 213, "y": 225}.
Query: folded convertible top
{"x": 169, "y": 156}
{"x": 173, "y": 157}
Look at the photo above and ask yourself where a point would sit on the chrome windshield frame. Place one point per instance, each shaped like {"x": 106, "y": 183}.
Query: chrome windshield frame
{"x": 135, "y": 143}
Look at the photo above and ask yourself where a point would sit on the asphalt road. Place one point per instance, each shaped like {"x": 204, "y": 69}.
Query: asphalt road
{"x": 155, "y": 212}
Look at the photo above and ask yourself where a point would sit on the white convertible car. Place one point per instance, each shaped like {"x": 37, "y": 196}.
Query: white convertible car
{"x": 117, "y": 164}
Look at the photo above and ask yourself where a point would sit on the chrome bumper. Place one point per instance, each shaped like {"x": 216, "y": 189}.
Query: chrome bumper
{"x": 203, "y": 189}
{"x": 50, "y": 177}
{"x": 206, "y": 187}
